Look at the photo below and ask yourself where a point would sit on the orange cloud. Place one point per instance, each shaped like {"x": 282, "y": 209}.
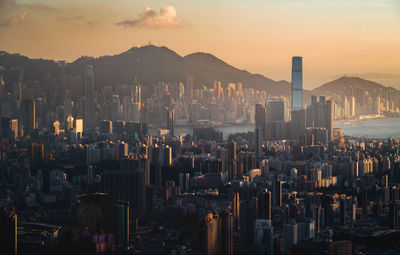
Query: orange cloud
{"x": 167, "y": 18}
{"x": 20, "y": 18}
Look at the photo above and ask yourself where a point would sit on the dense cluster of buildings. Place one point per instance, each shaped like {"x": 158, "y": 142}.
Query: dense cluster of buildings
{"x": 356, "y": 100}
{"x": 106, "y": 173}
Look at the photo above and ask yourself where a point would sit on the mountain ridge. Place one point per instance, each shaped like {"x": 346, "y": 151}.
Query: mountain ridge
{"x": 152, "y": 64}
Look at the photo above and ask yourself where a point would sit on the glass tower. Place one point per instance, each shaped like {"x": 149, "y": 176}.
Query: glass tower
{"x": 297, "y": 83}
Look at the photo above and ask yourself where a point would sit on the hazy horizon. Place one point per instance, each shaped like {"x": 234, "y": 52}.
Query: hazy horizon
{"x": 334, "y": 38}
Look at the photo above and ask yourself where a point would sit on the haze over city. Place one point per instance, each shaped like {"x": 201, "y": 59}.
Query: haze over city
{"x": 183, "y": 127}
{"x": 356, "y": 37}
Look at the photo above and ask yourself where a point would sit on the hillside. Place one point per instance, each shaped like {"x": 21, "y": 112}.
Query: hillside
{"x": 339, "y": 85}
{"x": 152, "y": 64}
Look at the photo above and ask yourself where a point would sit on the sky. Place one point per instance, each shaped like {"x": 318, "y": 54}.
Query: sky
{"x": 352, "y": 37}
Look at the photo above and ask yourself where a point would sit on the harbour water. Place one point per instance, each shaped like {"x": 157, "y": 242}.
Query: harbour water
{"x": 371, "y": 128}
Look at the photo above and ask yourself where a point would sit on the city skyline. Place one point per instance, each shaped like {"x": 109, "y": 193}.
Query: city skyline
{"x": 151, "y": 150}
{"x": 341, "y": 37}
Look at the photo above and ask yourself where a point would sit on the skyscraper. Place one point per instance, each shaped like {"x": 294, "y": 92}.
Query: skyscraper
{"x": 170, "y": 122}
{"x": 78, "y": 127}
{"x": 263, "y": 236}
{"x": 257, "y": 142}
{"x": 9, "y": 128}
{"x": 137, "y": 97}
{"x": 320, "y": 114}
{"x": 328, "y": 118}
{"x": 115, "y": 108}
{"x": 28, "y": 117}
{"x": 189, "y": 86}
{"x": 231, "y": 150}
{"x": 343, "y": 212}
{"x": 290, "y": 234}
{"x": 89, "y": 96}
{"x": 8, "y": 231}
{"x": 128, "y": 183}
{"x": 277, "y": 192}
{"x": 260, "y": 119}
{"x": 297, "y": 83}
{"x": 209, "y": 235}
{"x": 225, "y": 233}
{"x": 275, "y": 110}
{"x": 121, "y": 216}
{"x": 298, "y": 123}
{"x": 264, "y": 205}
{"x": 248, "y": 215}
{"x": 236, "y": 209}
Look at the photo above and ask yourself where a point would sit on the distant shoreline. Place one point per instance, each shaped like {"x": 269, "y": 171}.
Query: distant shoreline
{"x": 365, "y": 117}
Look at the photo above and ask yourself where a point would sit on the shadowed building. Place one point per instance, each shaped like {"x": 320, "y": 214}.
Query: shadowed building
{"x": 94, "y": 212}
{"x": 260, "y": 119}
{"x": 8, "y": 231}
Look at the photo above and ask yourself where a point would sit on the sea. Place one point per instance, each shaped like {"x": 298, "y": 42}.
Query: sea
{"x": 371, "y": 128}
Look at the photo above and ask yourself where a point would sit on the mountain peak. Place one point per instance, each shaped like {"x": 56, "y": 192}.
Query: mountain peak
{"x": 149, "y": 48}
{"x": 348, "y": 81}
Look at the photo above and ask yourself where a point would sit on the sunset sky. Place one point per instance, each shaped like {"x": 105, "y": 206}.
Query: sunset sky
{"x": 261, "y": 36}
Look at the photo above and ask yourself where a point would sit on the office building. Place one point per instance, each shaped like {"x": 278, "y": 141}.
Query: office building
{"x": 28, "y": 116}
{"x": 264, "y": 205}
{"x": 298, "y": 123}
{"x": 115, "y": 108}
{"x": 257, "y": 142}
{"x": 236, "y": 210}
{"x": 209, "y": 235}
{"x": 94, "y": 212}
{"x": 320, "y": 115}
{"x": 89, "y": 97}
{"x": 128, "y": 183}
{"x": 290, "y": 234}
{"x": 277, "y": 192}
{"x": 9, "y": 128}
{"x": 78, "y": 127}
{"x": 275, "y": 110}
{"x": 225, "y": 233}
{"x": 121, "y": 228}
{"x": 8, "y": 231}
{"x": 248, "y": 215}
{"x": 263, "y": 236}
{"x": 297, "y": 83}
{"x": 260, "y": 119}
{"x": 170, "y": 122}
{"x": 189, "y": 86}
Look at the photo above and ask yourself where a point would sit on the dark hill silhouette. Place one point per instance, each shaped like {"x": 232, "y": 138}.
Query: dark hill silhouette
{"x": 152, "y": 64}
{"x": 339, "y": 85}
{"x": 343, "y": 82}
{"x": 216, "y": 69}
